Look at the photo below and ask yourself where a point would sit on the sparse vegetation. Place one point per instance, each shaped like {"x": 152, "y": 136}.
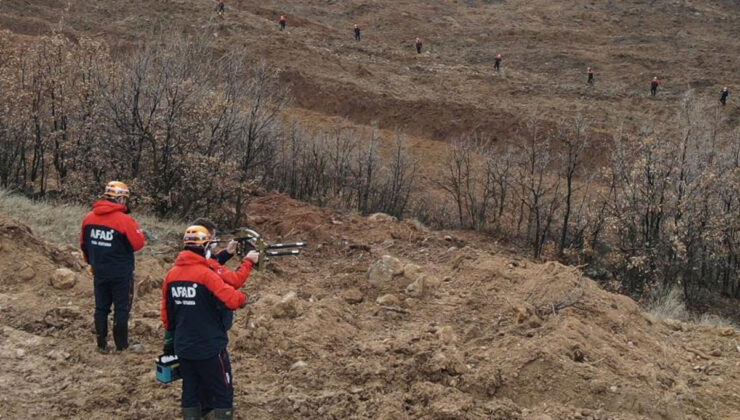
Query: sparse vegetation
{"x": 60, "y": 222}
{"x": 195, "y": 131}
{"x": 661, "y": 214}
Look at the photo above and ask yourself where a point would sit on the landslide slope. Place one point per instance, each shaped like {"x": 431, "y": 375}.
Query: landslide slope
{"x": 379, "y": 319}
{"x": 450, "y": 88}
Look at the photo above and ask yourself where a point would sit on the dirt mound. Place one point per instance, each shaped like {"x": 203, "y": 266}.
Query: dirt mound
{"x": 481, "y": 335}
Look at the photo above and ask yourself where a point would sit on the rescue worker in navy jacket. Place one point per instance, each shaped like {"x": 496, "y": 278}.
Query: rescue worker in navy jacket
{"x": 197, "y": 305}
{"x": 108, "y": 239}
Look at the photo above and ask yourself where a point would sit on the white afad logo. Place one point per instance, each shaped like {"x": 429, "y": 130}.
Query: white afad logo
{"x": 184, "y": 291}
{"x": 106, "y": 235}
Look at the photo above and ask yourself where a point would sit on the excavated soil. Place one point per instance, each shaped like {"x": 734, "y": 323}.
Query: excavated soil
{"x": 379, "y": 319}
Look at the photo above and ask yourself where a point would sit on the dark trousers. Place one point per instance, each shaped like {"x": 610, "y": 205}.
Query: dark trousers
{"x": 282, "y": 25}
{"x": 418, "y": 48}
{"x": 723, "y": 100}
{"x": 653, "y": 90}
{"x": 590, "y": 78}
{"x": 497, "y": 65}
{"x": 207, "y": 383}
{"x": 113, "y": 291}
{"x": 357, "y": 35}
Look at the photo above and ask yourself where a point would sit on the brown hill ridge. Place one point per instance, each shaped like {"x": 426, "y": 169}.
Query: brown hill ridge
{"x": 379, "y": 319}
{"x": 451, "y": 87}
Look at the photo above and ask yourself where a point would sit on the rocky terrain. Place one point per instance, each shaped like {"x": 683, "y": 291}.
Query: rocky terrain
{"x": 379, "y": 319}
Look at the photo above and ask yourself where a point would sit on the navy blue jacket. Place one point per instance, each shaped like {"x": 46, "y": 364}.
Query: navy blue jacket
{"x": 109, "y": 238}
{"x": 197, "y": 306}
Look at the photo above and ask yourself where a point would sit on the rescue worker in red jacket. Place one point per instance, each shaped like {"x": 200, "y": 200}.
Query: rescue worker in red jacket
{"x": 418, "y": 45}
{"x": 196, "y": 311}
{"x": 590, "y": 76}
{"x": 108, "y": 239}
{"x": 283, "y": 21}
{"x": 654, "y": 86}
{"x": 217, "y": 261}
{"x": 497, "y": 62}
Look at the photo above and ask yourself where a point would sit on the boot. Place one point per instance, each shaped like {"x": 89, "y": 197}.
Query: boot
{"x": 191, "y": 413}
{"x": 223, "y": 414}
{"x": 120, "y": 336}
{"x": 101, "y": 332}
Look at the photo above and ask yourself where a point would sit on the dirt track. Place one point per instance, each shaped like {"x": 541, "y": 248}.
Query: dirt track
{"x": 478, "y": 334}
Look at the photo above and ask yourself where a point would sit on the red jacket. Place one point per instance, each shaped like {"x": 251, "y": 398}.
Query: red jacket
{"x": 197, "y": 305}
{"x": 108, "y": 239}
{"x": 235, "y": 279}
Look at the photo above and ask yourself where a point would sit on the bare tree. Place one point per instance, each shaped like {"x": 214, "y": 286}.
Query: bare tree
{"x": 573, "y": 138}
{"x": 537, "y": 187}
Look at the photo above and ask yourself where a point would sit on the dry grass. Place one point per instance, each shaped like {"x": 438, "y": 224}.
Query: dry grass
{"x": 671, "y": 306}
{"x": 60, "y": 223}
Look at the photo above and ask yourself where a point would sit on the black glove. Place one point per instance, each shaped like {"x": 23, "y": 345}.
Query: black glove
{"x": 168, "y": 350}
{"x": 169, "y": 343}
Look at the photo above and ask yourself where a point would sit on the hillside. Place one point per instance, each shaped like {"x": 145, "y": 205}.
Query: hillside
{"x": 450, "y": 88}
{"x": 387, "y": 319}
{"x": 379, "y": 319}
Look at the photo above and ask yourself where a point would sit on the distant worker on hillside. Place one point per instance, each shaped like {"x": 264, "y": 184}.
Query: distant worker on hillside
{"x": 497, "y": 62}
{"x": 283, "y": 21}
{"x": 654, "y": 86}
{"x": 108, "y": 239}
{"x": 357, "y": 32}
{"x": 221, "y": 8}
{"x": 197, "y": 312}
{"x": 590, "y": 76}
{"x": 723, "y": 96}
{"x": 418, "y": 45}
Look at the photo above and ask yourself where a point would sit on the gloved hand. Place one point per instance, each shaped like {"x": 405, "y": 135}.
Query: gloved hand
{"x": 168, "y": 349}
{"x": 253, "y": 256}
{"x": 231, "y": 247}
{"x": 169, "y": 343}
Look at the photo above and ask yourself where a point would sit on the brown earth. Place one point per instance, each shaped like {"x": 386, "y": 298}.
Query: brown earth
{"x": 463, "y": 330}
{"x": 450, "y": 88}
{"x": 483, "y": 334}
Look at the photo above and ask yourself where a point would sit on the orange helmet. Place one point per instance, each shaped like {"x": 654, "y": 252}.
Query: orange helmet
{"x": 197, "y": 235}
{"x": 116, "y": 189}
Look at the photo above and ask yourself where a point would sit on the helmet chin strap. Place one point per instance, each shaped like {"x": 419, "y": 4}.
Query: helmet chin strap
{"x": 208, "y": 249}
